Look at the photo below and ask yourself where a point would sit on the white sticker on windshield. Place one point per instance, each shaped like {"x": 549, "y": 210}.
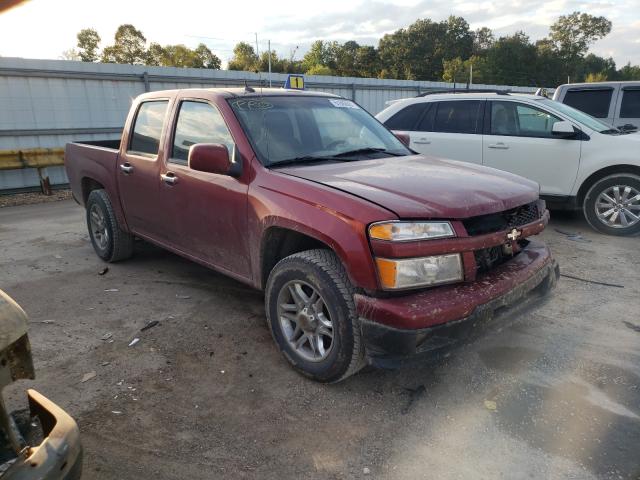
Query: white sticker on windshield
{"x": 341, "y": 103}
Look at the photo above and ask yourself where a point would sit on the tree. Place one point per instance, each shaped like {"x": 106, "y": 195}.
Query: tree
{"x": 511, "y": 61}
{"x": 88, "y": 41}
{"x": 129, "y": 47}
{"x": 596, "y": 77}
{"x": 70, "y": 54}
{"x": 320, "y": 53}
{"x": 482, "y": 40}
{"x": 572, "y": 34}
{"x": 207, "y": 58}
{"x": 629, "y": 72}
{"x": 319, "y": 70}
{"x": 244, "y": 58}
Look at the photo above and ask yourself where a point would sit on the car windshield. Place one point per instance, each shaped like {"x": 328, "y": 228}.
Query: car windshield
{"x": 577, "y": 115}
{"x": 297, "y": 129}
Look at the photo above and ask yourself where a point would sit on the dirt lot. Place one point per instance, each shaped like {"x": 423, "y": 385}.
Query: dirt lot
{"x": 204, "y": 394}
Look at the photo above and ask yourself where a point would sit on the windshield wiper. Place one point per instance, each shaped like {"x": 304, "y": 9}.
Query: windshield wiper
{"x": 367, "y": 150}
{"x": 611, "y": 131}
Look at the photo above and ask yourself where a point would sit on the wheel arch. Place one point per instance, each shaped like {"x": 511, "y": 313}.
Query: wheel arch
{"x": 602, "y": 173}
{"x": 88, "y": 185}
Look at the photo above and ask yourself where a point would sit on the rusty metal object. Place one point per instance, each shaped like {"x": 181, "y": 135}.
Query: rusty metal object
{"x": 7, "y": 4}
{"x": 31, "y": 158}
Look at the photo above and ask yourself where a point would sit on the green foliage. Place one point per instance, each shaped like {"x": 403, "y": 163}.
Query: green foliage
{"x": 244, "y": 58}
{"x": 596, "y": 77}
{"x": 629, "y": 72}
{"x": 88, "y": 41}
{"x": 128, "y": 47}
{"x": 319, "y": 70}
{"x": 182, "y": 56}
{"x": 572, "y": 34}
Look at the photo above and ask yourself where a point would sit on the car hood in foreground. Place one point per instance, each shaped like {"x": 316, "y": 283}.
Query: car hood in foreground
{"x": 417, "y": 186}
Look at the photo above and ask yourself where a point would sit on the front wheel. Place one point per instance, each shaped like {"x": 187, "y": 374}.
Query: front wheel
{"x": 612, "y": 204}
{"x": 312, "y": 317}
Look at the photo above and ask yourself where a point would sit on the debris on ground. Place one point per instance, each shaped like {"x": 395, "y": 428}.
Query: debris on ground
{"x": 88, "y": 376}
{"x": 30, "y": 198}
{"x": 576, "y": 237}
{"x": 116, "y": 412}
{"x": 183, "y": 297}
{"x": 103, "y": 271}
{"x": 46, "y": 322}
{"x": 149, "y": 325}
{"x": 106, "y": 336}
{"x": 111, "y": 290}
{"x": 632, "y": 326}
{"x": 134, "y": 341}
{"x": 414, "y": 394}
{"x": 595, "y": 282}
{"x": 104, "y": 364}
{"x": 491, "y": 405}
{"x": 366, "y": 470}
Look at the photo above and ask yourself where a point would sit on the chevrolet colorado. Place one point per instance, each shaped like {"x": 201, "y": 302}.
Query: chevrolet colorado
{"x": 366, "y": 252}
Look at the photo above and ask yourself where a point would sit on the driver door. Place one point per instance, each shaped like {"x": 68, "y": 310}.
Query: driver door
{"x": 519, "y": 139}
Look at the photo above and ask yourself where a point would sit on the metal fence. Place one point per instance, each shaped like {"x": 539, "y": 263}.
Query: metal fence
{"x": 47, "y": 103}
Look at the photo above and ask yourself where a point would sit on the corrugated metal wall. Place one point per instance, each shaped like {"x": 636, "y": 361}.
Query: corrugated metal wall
{"x": 47, "y": 103}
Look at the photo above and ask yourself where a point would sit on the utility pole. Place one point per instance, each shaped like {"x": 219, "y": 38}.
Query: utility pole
{"x": 269, "y": 46}
{"x": 471, "y": 74}
{"x": 257, "y": 52}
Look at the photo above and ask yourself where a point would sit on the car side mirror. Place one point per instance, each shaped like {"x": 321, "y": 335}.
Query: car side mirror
{"x": 403, "y": 137}
{"x": 215, "y": 158}
{"x": 563, "y": 129}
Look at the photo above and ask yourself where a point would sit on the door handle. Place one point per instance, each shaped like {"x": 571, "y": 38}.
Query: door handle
{"x": 422, "y": 141}
{"x": 499, "y": 146}
{"x": 169, "y": 178}
{"x": 126, "y": 167}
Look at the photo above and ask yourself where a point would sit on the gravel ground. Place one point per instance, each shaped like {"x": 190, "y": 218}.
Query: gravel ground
{"x": 204, "y": 394}
{"x": 33, "y": 197}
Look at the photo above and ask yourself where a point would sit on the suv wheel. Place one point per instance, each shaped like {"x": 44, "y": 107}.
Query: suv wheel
{"x": 110, "y": 242}
{"x": 312, "y": 317}
{"x": 612, "y": 204}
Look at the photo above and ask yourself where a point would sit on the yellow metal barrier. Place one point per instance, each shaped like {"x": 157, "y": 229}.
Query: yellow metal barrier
{"x": 31, "y": 158}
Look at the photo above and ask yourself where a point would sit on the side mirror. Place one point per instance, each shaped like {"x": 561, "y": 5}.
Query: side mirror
{"x": 215, "y": 158}
{"x": 563, "y": 129}
{"x": 403, "y": 137}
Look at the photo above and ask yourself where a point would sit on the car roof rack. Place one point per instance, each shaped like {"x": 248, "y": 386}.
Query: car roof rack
{"x": 465, "y": 90}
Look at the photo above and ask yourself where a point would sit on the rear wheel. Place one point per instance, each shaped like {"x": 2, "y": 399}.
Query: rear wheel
{"x": 110, "y": 242}
{"x": 612, "y": 204}
{"x": 312, "y": 317}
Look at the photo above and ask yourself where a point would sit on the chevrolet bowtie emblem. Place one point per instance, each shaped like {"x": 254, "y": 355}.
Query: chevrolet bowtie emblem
{"x": 514, "y": 234}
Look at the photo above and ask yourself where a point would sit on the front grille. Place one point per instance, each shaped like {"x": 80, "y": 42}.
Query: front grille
{"x": 496, "y": 222}
{"x": 488, "y": 258}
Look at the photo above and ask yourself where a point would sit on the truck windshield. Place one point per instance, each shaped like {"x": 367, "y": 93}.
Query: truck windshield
{"x": 577, "y": 116}
{"x": 296, "y": 129}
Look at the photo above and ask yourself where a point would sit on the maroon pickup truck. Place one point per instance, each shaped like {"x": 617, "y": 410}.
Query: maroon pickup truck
{"x": 367, "y": 252}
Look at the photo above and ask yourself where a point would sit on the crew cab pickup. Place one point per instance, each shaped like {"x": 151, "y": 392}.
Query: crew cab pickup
{"x": 367, "y": 252}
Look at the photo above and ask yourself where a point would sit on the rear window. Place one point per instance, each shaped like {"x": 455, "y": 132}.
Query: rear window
{"x": 407, "y": 118}
{"x": 630, "y": 107}
{"x": 460, "y": 116}
{"x": 147, "y": 128}
{"x": 594, "y": 102}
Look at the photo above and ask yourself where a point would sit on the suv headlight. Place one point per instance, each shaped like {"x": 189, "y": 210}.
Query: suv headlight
{"x": 419, "y": 272}
{"x": 410, "y": 231}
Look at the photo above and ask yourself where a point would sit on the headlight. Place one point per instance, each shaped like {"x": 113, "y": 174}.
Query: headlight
{"x": 419, "y": 272}
{"x": 410, "y": 231}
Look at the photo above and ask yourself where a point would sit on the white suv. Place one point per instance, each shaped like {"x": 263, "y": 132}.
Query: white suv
{"x": 578, "y": 161}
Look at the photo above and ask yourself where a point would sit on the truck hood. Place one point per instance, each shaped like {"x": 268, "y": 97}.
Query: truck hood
{"x": 417, "y": 186}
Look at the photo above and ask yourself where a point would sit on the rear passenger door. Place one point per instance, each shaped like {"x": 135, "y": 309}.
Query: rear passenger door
{"x": 628, "y": 108}
{"x": 452, "y": 129}
{"x": 518, "y": 139}
{"x": 138, "y": 169}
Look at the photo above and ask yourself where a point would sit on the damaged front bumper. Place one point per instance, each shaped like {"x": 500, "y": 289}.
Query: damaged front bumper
{"x": 428, "y": 321}
{"x": 58, "y": 456}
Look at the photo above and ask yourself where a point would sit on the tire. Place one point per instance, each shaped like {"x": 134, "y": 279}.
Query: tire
{"x": 614, "y": 223}
{"x": 320, "y": 271}
{"x": 110, "y": 242}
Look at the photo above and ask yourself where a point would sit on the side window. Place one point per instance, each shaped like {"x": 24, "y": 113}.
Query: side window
{"x": 407, "y": 118}
{"x": 147, "y": 128}
{"x": 198, "y": 122}
{"x": 461, "y": 116}
{"x": 519, "y": 119}
{"x": 591, "y": 101}
{"x": 630, "y": 107}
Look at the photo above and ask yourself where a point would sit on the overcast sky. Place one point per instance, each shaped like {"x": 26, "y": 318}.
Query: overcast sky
{"x": 45, "y": 28}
